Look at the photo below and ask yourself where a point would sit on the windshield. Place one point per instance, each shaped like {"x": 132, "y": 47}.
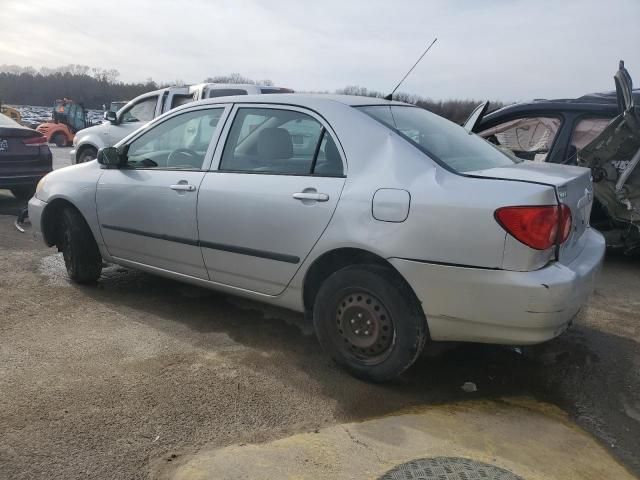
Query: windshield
{"x": 444, "y": 141}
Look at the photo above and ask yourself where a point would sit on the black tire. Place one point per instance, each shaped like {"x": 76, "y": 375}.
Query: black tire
{"x": 59, "y": 139}
{"x": 87, "y": 154}
{"x": 79, "y": 249}
{"x": 398, "y": 328}
{"x": 24, "y": 193}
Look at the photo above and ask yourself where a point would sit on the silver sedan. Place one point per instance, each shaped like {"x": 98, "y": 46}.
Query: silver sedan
{"x": 386, "y": 224}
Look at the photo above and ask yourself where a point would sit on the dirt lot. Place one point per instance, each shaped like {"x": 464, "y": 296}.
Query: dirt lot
{"x": 122, "y": 379}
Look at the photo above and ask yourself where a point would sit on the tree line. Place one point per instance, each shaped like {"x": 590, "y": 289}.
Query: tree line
{"x": 95, "y": 87}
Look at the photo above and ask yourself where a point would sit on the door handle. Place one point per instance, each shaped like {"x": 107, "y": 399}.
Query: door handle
{"x": 183, "y": 187}
{"x": 318, "y": 197}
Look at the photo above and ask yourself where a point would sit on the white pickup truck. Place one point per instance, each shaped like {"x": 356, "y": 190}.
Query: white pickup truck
{"x": 148, "y": 106}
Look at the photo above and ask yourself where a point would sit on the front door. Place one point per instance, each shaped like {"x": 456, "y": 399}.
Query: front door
{"x": 147, "y": 210}
{"x": 278, "y": 183}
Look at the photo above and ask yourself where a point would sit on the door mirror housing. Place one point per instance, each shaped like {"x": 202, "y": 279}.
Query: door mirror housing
{"x": 111, "y": 157}
{"x": 111, "y": 116}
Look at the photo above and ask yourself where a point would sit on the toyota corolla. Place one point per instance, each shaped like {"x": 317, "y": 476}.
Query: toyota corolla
{"x": 387, "y": 225}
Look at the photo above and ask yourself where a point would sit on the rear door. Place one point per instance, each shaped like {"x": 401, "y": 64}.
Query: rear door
{"x": 147, "y": 211}
{"x": 276, "y": 187}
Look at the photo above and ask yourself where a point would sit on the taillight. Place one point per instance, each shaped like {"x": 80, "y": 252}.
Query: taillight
{"x": 535, "y": 226}
{"x": 38, "y": 141}
{"x": 565, "y": 224}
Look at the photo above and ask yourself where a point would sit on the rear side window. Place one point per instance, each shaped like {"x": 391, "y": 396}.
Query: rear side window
{"x": 587, "y": 129}
{"x": 275, "y": 90}
{"x": 226, "y": 92}
{"x": 267, "y": 140}
{"x": 178, "y": 100}
{"x": 529, "y": 138}
{"x": 444, "y": 141}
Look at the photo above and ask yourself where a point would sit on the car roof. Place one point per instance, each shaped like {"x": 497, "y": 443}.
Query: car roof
{"x": 604, "y": 103}
{"x": 299, "y": 99}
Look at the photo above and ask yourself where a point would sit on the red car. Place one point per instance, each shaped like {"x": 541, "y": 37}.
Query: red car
{"x": 24, "y": 158}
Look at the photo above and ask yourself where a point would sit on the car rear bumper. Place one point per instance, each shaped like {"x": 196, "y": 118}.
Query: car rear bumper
{"x": 505, "y": 307}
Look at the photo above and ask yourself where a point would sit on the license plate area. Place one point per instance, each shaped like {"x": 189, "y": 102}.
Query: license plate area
{"x": 4, "y": 145}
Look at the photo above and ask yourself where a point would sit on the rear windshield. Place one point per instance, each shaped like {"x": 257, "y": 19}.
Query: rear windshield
{"x": 444, "y": 141}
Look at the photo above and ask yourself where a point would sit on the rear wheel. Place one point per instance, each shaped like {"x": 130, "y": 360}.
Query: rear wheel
{"x": 87, "y": 155}
{"x": 79, "y": 249}
{"x": 24, "y": 193}
{"x": 369, "y": 322}
{"x": 59, "y": 139}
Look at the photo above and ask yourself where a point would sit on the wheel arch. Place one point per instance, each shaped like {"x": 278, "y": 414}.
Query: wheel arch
{"x": 333, "y": 260}
{"x": 83, "y": 148}
{"x": 50, "y": 221}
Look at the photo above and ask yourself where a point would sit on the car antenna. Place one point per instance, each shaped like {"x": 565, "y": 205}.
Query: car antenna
{"x": 390, "y": 96}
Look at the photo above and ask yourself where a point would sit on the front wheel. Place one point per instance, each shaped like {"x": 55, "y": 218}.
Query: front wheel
{"x": 369, "y": 322}
{"x": 87, "y": 155}
{"x": 79, "y": 249}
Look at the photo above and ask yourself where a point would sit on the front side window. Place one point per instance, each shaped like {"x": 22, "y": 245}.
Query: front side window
{"x": 444, "y": 141}
{"x": 180, "y": 142}
{"x": 529, "y": 138}
{"x": 266, "y": 140}
{"x": 143, "y": 111}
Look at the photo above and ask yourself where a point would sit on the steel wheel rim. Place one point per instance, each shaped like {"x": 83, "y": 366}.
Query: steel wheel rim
{"x": 364, "y": 327}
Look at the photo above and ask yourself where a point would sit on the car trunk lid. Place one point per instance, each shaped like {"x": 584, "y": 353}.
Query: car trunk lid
{"x": 572, "y": 186}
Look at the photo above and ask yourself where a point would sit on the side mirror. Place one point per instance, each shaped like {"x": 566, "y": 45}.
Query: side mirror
{"x": 111, "y": 157}
{"x": 111, "y": 116}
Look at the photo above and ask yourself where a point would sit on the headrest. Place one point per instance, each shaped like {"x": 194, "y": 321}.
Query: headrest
{"x": 275, "y": 143}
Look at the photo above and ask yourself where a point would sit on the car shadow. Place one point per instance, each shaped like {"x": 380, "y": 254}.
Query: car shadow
{"x": 592, "y": 374}
{"x": 589, "y": 373}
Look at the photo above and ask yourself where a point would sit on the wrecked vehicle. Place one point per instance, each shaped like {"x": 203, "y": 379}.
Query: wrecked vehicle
{"x": 599, "y": 131}
{"x": 387, "y": 224}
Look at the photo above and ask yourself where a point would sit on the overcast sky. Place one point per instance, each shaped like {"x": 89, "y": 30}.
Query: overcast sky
{"x": 499, "y": 49}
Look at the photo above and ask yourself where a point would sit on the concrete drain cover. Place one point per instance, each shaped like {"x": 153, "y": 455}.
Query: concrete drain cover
{"x": 447, "y": 468}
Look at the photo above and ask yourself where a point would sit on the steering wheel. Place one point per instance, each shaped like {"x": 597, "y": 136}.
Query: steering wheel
{"x": 181, "y": 151}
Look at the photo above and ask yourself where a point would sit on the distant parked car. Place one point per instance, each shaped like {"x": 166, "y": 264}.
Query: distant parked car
{"x": 386, "y": 224}
{"x": 24, "y": 158}
{"x": 600, "y": 131}
{"x": 144, "y": 108}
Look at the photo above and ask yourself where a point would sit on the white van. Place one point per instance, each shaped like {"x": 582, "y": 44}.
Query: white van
{"x": 148, "y": 106}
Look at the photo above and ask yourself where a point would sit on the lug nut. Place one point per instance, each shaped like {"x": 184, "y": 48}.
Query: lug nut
{"x": 368, "y": 322}
{"x": 353, "y": 320}
{"x": 366, "y": 332}
{"x": 359, "y": 315}
{"x": 357, "y": 332}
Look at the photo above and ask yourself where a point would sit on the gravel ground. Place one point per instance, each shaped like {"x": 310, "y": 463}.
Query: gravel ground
{"x": 115, "y": 380}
